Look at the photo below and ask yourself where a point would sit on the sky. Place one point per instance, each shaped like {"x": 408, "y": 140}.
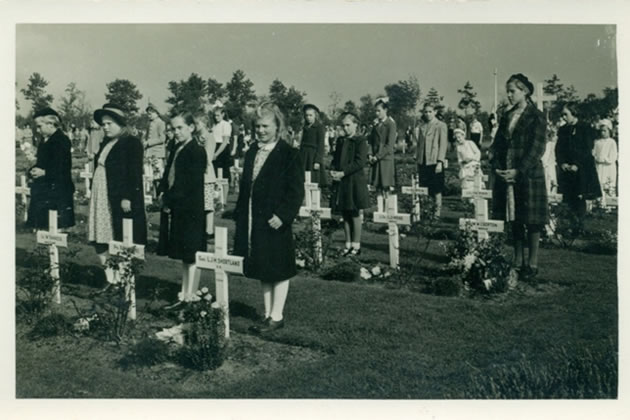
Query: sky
{"x": 350, "y": 59}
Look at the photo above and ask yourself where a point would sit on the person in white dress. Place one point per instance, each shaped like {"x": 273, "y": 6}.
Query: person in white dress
{"x": 605, "y": 154}
{"x": 468, "y": 157}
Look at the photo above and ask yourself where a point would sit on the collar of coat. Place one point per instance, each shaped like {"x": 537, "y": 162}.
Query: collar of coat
{"x": 529, "y": 113}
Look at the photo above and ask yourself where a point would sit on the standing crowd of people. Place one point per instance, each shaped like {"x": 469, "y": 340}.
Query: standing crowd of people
{"x": 191, "y": 148}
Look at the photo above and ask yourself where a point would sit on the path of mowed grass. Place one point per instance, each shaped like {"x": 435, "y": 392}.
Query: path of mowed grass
{"x": 377, "y": 342}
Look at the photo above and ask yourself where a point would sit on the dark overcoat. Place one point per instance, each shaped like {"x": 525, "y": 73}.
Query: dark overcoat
{"x": 312, "y": 150}
{"x": 182, "y": 230}
{"x": 382, "y": 142}
{"x": 279, "y": 190}
{"x": 575, "y": 147}
{"x": 351, "y": 158}
{"x": 123, "y": 169}
{"x": 54, "y": 190}
{"x": 527, "y": 143}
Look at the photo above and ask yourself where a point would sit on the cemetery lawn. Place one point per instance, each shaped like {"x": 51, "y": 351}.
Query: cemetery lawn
{"x": 341, "y": 340}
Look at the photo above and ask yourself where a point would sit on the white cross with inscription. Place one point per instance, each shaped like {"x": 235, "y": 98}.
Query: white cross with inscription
{"x": 24, "y": 192}
{"x": 53, "y": 239}
{"x": 541, "y": 97}
{"x": 86, "y": 174}
{"x": 393, "y": 219}
{"x": 136, "y": 251}
{"x": 224, "y": 186}
{"x": 236, "y": 171}
{"x": 480, "y": 223}
{"x": 308, "y": 187}
{"x": 315, "y": 209}
{"x": 477, "y": 191}
{"x": 416, "y": 191}
{"x": 222, "y": 263}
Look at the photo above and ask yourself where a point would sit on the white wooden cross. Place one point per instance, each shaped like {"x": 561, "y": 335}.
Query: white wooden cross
{"x": 137, "y": 251}
{"x": 147, "y": 185}
{"x": 87, "y": 176}
{"x": 480, "y": 223}
{"x": 222, "y": 263}
{"x": 541, "y": 97}
{"x": 308, "y": 187}
{"x": 53, "y": 239}
{"x": 477, "y": 191}
{"x": 554, "y": 198}
{"x": 609, "y": 201}
{"x": 236, "y": 171}
{"x": 416, "y": 191}
{"x": 393, "y": 219}
{"x": 314, "y": 208}
{"x": 224, "y": 186}
{"x": 25, "y": 192}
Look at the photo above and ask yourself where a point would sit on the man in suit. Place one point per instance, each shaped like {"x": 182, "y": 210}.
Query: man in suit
{"x": 431, "y": 153}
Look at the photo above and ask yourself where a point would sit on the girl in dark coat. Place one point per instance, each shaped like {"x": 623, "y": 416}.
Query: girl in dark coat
{"x": 577, "y": 177}
{"x": 271, "y": 192}
{"x": 520, "y": 183}
{"x": 351, "y": 195}
{"x": 51, "y": 178}
{"x": 312, "y": 145}
{"x": 182, "y": 219}
{"x": 117, "y": 191}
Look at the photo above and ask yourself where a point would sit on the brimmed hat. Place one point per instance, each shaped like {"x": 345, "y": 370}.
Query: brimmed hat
{"x": 524, "y": 80}
{"x": 42, "y": 112}
{"x": 113, "y": 111}
{"x": 605, "y": 123}
{"x": 310, "y": 106}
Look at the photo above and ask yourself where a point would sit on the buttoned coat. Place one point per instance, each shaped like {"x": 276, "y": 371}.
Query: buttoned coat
{"x": 54, "y": 190}
{"x": 312, "y": 150}
{"x": 382, "y": 141}
{"x": 527, "y": 142}
{"x": 182, "y": 230}
{"x": 278, "y": 189}
{"x": 351, "y": 157}
{"x": 432, "y": 142}
{"x": 123, "y": 169}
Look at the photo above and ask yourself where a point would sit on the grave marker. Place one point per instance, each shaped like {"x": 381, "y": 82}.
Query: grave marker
{"x": 87, "y": 175}
{"x": 224, "y": 186}
{"x": 236, "y": 171}
{"x": 415, "y": 191}
{"x": 480, "y": 223}
{"x": 477, "y": 191}
{"x": 314, "y": 208}
{"x": 393, "y": 219}
{"x": 137, "y": 251}
{"x": 308, "y": 187}
{"x": 540, "y": 98}
{"x": 221, "y": 263}
{"x": 53, "y": 239}
{"x": 24, "y": 192}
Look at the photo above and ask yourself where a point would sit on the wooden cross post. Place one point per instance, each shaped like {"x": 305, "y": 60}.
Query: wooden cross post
{"x": 87, "y": 176}
{"x": 237, "y": 171}
{"x": 478, "y": 191}
{"x": 308, "y": 187}
{"x": 224, "y": 186}
{"x": 25, "y": 192}
{"x": 53, "y": 239}
{"x": 222, "y": 264}
{"x": 137, "y": 251}
{"x": 416, "y": 191}
{"x": 480, "y": 223}
{"x": 393, "y": 219}
{"x": 541, "y": 98}
{"x": 314, "y": 208}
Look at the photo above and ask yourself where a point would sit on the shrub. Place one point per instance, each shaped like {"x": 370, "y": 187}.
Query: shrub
{"x": 347, "y": 271}
{"x": 306, "y": 242}
{"x": 564, "y": 224}
{"x": 604, "y": 242}
{"x": 51, "y": 325}
{"x": 34, "y": 287}
{"x": 148, "y": 351}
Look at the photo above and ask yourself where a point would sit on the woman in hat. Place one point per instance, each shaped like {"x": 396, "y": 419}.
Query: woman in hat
{"x": 519, "y": 192}
{"x": 351, "y": 196}
{"x": 577, "y": 176}
{"x": 117, "y": 191}
{"x": 382, "y": 140}
{"x": 272, "y": 190}
{"x": 605, "y": 154}
{"x": 51, "y": 178}
{"x": 181, "y": 194}
{"x": 313, "y": 144}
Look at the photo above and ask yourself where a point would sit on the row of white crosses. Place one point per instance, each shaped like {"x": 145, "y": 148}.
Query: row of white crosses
{"x": 312, "y": 206}
{"x": 481, "y": 224}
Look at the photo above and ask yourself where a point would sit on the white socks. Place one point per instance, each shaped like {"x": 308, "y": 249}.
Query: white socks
{"x": 280, "y": 292}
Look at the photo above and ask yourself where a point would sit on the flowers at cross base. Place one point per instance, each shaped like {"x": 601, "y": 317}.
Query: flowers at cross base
{"x": 173, "y": 335}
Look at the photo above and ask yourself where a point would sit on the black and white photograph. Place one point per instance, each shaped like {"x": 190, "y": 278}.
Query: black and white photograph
{"x": 271, "y": 208}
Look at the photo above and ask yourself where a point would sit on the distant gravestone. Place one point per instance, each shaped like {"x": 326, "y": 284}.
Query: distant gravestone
{"x": 224, "y": 186}
{"x": 86, "y": 174}
{"x": 24, "y": 192}
{"x": 137, "y": 251}
{"x": 53, "y": 239}
{"x": 237, "y": 172}
{"x": 393, "y": 219}
{"x": 416, "y": 191}
{"x": 221, "y": 263}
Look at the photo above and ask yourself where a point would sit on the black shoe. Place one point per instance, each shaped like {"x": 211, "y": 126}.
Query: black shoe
{"x": 345, "y": 252}
{"x": 529, "y": 273}
{"x": 272, "y": 326}
{"x": 262, "y": 322}
{"x": 355, "y": 252}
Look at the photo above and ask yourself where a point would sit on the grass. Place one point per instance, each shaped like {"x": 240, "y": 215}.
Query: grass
{"x": 352, "y": 340}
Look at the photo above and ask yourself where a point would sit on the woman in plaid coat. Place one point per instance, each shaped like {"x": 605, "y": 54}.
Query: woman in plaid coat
{"x": 516, "y": 159}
